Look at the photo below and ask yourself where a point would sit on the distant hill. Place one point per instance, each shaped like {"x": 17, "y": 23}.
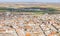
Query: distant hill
{"x": 17, "y": 5}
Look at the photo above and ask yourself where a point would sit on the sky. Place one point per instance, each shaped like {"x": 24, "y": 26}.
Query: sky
{"x": 56, "y": 1}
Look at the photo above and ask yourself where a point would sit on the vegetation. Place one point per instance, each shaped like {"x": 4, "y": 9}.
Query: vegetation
{"x": 31, "y": 9}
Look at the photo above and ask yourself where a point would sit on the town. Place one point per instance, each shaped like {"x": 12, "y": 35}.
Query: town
{"x": 16, "y": 24}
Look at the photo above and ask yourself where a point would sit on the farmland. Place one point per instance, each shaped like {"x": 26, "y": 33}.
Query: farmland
{"x": 51, "y": 8}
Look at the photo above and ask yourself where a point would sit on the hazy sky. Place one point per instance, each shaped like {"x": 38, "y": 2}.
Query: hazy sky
{"x": 29, "y": 0}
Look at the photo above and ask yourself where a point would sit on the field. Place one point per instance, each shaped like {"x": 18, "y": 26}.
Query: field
{"x": 51, "y": 8}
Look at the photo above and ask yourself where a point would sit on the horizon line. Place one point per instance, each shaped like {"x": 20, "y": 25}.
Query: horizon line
{"x": 29, "y": 2}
